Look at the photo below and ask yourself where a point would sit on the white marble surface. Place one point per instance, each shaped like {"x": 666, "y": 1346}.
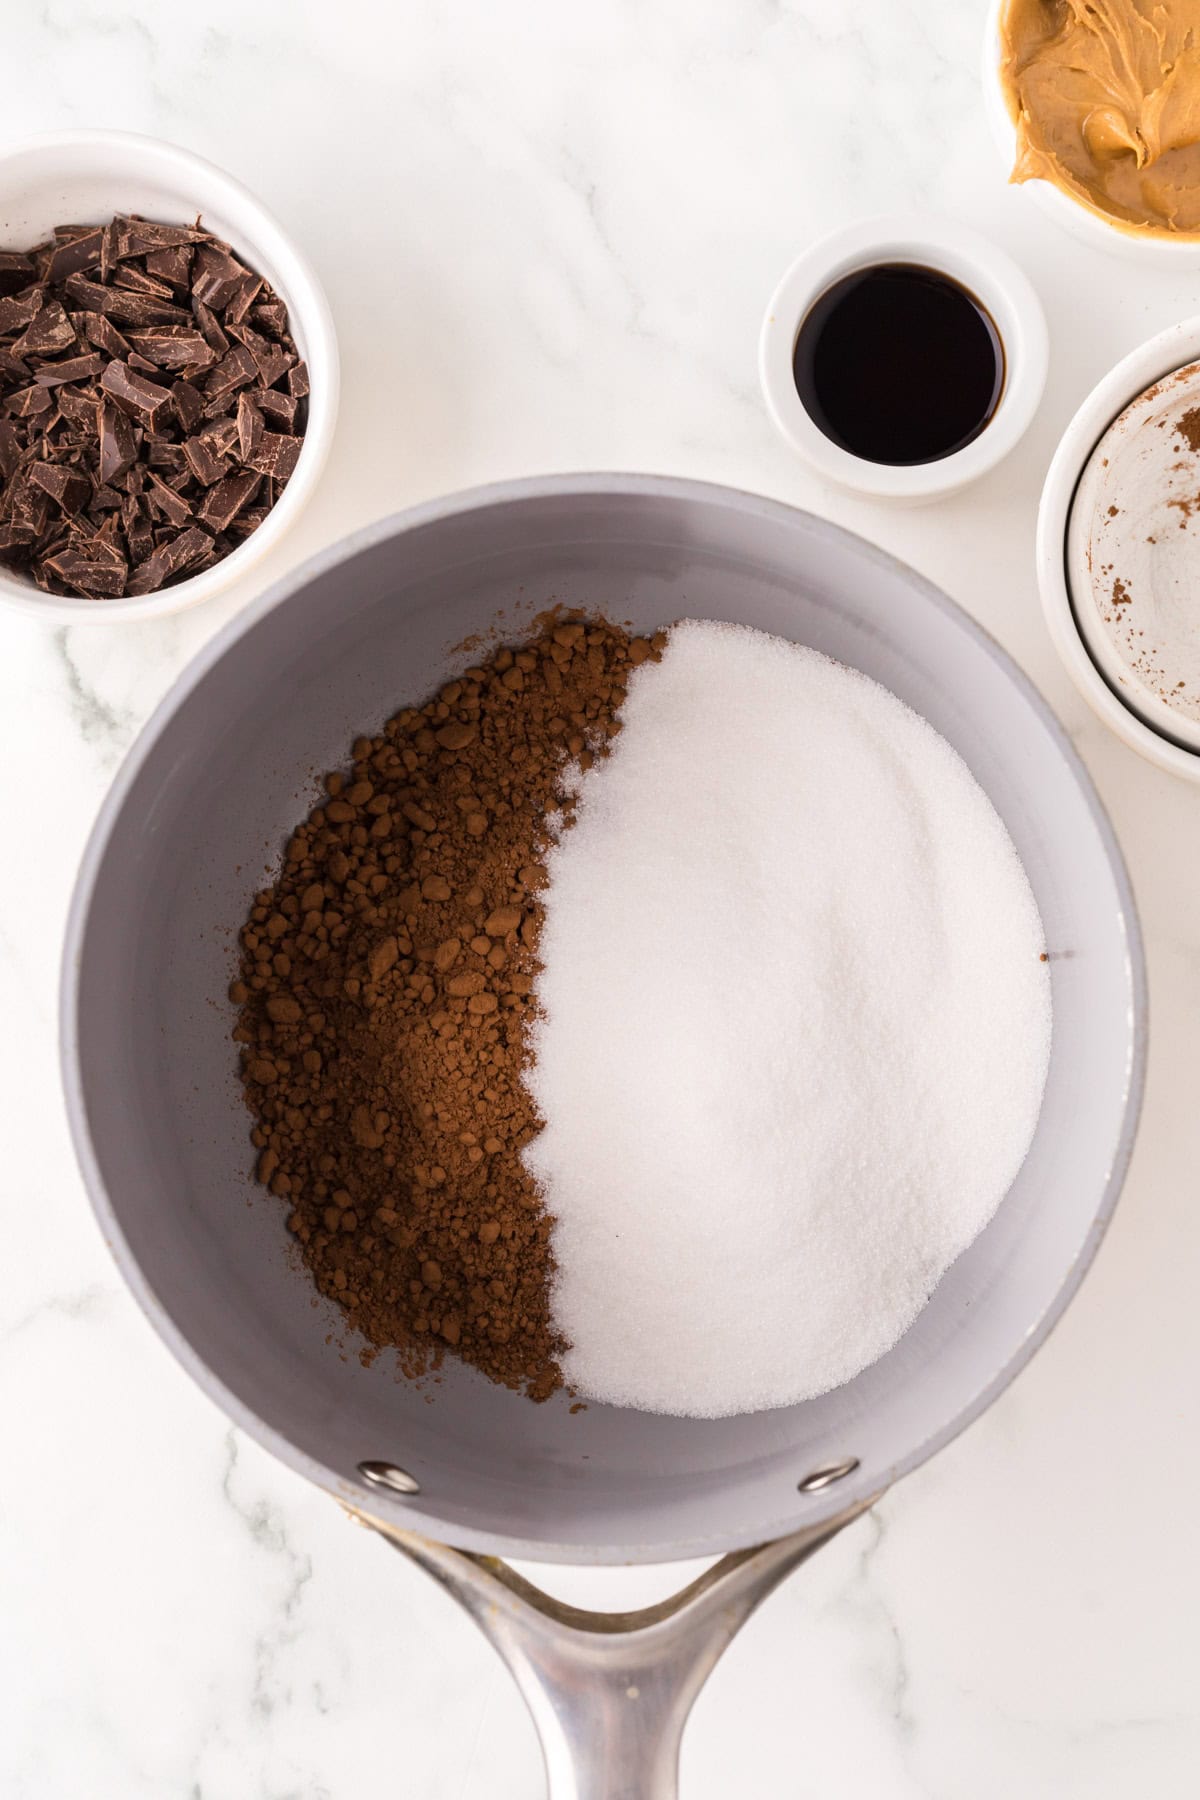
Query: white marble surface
{"x": 548, "y": 232}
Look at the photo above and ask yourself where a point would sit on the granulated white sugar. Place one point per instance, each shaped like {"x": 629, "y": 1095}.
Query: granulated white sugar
{"x": 795, "y": 1035}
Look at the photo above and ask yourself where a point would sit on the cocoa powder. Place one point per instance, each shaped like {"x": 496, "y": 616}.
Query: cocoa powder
{"x": 385, "y": 990}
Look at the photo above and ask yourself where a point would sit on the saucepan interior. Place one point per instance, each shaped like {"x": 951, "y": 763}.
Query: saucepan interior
{"x": 199, "y": 814}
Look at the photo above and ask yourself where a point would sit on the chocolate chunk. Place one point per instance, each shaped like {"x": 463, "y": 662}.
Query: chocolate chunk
{"x": 279, "y": 408}
{"x": 136, "y": 236}
{"x": 48, "y": 333}
{"x": 188, "y": 403}
{"x": 161, "y": 453}
{"x": 173, "y": 266}
{"x": 78, "y": 405}
{"x": 139, "y": 534}
{"x": 275, "y": 455}
{"x": 249, "y": 425}
{"x": 103, "y": 333}
{"x": 117, "y": 449}
{"x": 270, "y": 316}
{"x": 232, "y": 372}
{"x": 74, "y": 255}
{"x": 203, "y": 461}
{"x": 90, "y": 566}
{"x": 20, "y": 310}
{"x": 248, "y": 291}
{"x": 66, "y": 487}
{"x": 174, "y": 347}
{"x": 220, "y": 435}
{"x": 170, "y": 560}
{"x": 210, "y": 325}
{"x": 108, "y": 251}
{"x": 163, "y": 498}
{"x": 25, "y": 402}
{"x": 143, "y": 400}
{"x": 270, "y": 360}
{"x": 10, "y": 448}
{"x": 142, "y": 433}
{"x": 72, "y": 368}
{"x": 224, "y": 502}
{"x": 16, "y": 271}
{"x": 128, "y": 275}
{"x": 216, "y": 276}
{"x": 118, "y": 303}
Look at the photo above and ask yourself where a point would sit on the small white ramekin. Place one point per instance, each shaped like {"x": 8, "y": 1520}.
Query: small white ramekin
{"x": 1072, "y": 215}
{"x": 1169, "y": 350}
{"x": 968, "y": 258}
{"x": 85, "y": 176}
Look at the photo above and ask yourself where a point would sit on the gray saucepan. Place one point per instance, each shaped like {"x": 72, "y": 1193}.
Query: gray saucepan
{"x": 199, "y": 811}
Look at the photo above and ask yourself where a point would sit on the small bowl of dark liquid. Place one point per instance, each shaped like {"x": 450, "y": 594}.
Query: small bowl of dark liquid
{"x": 904, "y": 358}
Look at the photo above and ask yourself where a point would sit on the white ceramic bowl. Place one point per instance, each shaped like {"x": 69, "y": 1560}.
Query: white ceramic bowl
{"x": 1169, "y": 350}
{"x": 82, "y": 176}
{"x": 956, "y": 251}
{"x": 1072, "y": 215}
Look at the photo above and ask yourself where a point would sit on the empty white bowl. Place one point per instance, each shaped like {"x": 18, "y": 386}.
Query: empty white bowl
{"x": 968, "y": 258}
{"x": 1072, "y": 215}
{"x": 1169, "y": 350}
{"x": 85, "y": 176}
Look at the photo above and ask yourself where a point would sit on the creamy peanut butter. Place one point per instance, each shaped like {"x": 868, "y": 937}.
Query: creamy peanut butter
{"x": 1105, "y": 97}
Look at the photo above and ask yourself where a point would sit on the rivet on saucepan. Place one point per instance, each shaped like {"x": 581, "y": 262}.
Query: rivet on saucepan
{"x": 827, "y": 1474}
{"x": 388, "y": 1475}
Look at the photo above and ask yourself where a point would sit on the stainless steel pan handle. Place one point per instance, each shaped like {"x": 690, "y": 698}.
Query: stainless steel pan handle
{"x": 610, "y": 1692}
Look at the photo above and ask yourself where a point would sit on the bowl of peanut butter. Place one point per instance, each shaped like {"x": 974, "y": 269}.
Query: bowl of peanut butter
{"x": 1096, "y": 109}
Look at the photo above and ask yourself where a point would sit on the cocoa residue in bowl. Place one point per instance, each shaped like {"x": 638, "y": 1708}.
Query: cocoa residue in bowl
{"x": 386, "y": 986}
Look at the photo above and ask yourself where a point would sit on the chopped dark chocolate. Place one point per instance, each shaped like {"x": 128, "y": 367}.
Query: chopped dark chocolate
{"x": 174, "y": 347}
{"x": 279, "y": 408}
{"x": 216, "y": 276}
{"x": 189, "y": 404}
{"x": 116, "y": 445}
{"x": 77, "y": 404}
{"x": 20, "y": 310}
{"x": 74, "y": 255}
{"x": 16, "y": 271}
{"x": 249, "y": 424}
{"x": 232, "y": 372}
{"x": 174, "y": 265}
{"x": 103, "y": 333}
{"x": 128, "y": 275}
{"x": 23, "y": 403}
{"x": 48, "y": 333}
{"x": 71, "y": 368}
{"x": 67, "y": 487}
{"x": 275, "y": 455}
{"x": 163, "y": 499}
{"x": 143, "y": 400}
{"x": 13, "y": 367}
{"x": 249, "y": 288}
{"x": 10, "y": 448}
{"x": 210, "y": 325}
{"x": 169, "y": 561}
{"x": 270, "y": 316}
{"x": 203, "y": 461}
{"x": 224, "y": 502}
{"x": 119, "y": 303}
{"x": 91, "y": 566}
{"x": 136, "y": 236}
{"x": 152, "y": 406}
